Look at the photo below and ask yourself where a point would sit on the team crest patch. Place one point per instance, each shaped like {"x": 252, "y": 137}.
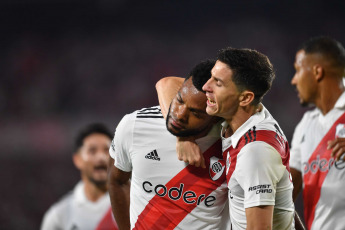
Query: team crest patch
{"x": 216, "y": 168}
{"x": 340, "y": 130}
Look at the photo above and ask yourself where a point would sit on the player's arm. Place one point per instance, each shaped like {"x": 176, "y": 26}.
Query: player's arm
{"x": 298, "y": 222}
{"x": 167, "y": 89}
{"x": 119, "y": 190}
{"x": 260, "y": 217}
{"x": 186, "y": 148}
{"x": 297, "y": 182}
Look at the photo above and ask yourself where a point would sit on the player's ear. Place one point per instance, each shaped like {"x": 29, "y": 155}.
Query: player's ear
{"x": 246, "y": 97}
{"x": 318, "y": 72}
{"x": 77, "y": 160}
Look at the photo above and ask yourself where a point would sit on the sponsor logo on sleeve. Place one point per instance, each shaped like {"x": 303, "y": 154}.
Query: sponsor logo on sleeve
{"x": 216, "y": 168}
{"x": 261, "y": 188}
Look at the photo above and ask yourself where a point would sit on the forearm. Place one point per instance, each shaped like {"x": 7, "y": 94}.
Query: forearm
{"x": 298, "y": 222}
{"x": 297, "y": 182}
{"x": 166, "y": 89}
{"x": 119, "y": 192}
{"x": 120, "y": 199}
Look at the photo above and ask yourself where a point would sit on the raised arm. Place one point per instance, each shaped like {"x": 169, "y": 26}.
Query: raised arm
{"x": 119, "y": 190}
{"x": 167, "y": 89}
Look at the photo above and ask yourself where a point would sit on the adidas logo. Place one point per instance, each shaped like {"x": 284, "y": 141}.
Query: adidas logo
{"x": 153, "y": 156}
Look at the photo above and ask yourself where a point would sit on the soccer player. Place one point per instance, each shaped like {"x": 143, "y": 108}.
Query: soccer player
{"x": 254, "y": 146}
{"x": 165, "y": 193}
{"x": 88, "y": 205}
{"x": 256, "y": 150}
{"x": 317, "y": 151}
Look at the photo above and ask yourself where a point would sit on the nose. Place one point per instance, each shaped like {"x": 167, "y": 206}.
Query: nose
{"x": 206, "y": 87}
{"x": 294, "y": 80}
{"x": 182, "y": 114}
{"x": 102, "y": 156}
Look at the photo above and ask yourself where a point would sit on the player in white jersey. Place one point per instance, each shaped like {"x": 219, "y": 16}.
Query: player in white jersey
{"x": 317, "y": 151}
{"x": 262, "y": 179}
{"x": 257, "y": 153}
{"x": 260, "y": 191}
{"x": 166, "y": 193}
{"x": 87, "y": 207}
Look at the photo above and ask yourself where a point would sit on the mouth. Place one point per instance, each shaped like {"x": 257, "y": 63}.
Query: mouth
{"x": 100, "y": 168}
{"x": 176, "y": 124}
{"x": 210, "y": 102}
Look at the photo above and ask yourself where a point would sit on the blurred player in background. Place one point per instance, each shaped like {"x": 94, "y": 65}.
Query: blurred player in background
{"x": 166, "y": 193}
{"x": 318, "y": 144}
{"x": 88, "y": 205}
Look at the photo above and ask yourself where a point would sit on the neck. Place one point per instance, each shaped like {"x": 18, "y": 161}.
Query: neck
{"x": 240, "y": 117}
{"x": 94, "y": 192}
{"x": 328, "y": 95}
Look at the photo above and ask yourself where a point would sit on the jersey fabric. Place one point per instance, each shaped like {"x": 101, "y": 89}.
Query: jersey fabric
{"x": 257, "y": 170}
{"x": 167, "y": 193}
{"x": 311, "y": 134}
{"x": 75, "y": 212}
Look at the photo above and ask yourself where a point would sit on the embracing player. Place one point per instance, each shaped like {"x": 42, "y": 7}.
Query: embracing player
{"x": 163, "y": 192}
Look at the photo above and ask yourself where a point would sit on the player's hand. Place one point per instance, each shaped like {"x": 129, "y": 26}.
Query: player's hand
{"x": 338, "y": 148}
{"x": 189, "y": 151}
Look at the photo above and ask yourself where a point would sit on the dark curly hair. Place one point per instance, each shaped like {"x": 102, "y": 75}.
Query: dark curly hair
{"x": 251, "y": 69}
{"x": 88, "y": 130}
{"x": 201, "y": 73}
{"x": 330, "y": 48}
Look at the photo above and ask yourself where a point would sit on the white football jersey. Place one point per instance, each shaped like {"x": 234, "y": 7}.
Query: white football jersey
{"x": 257, "y": 171}
{"x": 323, "y": 179}
{"x": 75, "y": 212}
{"x": 167, "y": 193}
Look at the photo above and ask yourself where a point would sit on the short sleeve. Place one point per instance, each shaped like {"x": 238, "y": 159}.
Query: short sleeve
{"x": 122, "y": 142}
{"x": 259, "y": 168}
{"x": 50, "y": 220}
{"x": 295, "y": 151}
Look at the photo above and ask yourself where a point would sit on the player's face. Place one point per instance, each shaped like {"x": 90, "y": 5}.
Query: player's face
{"x": 187, "y": 115}
{"x": 93, "y": 158}
{"x": 222, "y": 93}
{"x": 304, "y": 79}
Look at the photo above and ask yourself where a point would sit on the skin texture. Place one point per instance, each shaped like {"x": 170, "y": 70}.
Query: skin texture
{"x": 304, "y": 78}
{"x": 225, "y": 100}
{"x": 187, "y": 117}
{"x": 167, "y": 89}
{"x": 92, "y": 161}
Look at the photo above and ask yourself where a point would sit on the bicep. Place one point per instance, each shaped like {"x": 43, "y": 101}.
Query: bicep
{"x": 260, "y": 217}
{"x": 117, "y": 176}
{"x": 167, "y": 89}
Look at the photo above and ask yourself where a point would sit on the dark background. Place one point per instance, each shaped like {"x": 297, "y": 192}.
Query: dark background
{"x": 67, "y": 63}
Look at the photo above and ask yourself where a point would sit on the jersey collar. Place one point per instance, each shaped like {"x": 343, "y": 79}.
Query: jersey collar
{"x": 253, "y": 120}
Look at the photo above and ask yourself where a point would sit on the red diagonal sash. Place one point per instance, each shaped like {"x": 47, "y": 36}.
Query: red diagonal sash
{"x": 107, "y": 223}
{"x": 313, "y": 180}
{"x": 165, "y": 213}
